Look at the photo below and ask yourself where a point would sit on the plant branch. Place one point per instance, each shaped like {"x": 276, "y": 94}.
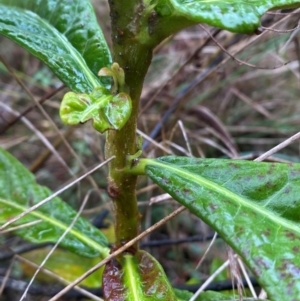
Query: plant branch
{"x": 128, "y": 24}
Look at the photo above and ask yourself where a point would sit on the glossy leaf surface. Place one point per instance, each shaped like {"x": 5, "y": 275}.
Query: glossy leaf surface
{"x": 212, "y": 296}
{"x": 234, "y": 15}
{"x": 136, "y": 277}
{"x": 19, "y": 191}
{"x": 183, "y": 295}
{"x": 63, "y": 34}
{"x": 253, "y": 206}
{"x": 218, "y": 296}
{"x": 67, "y": 265}
{"x": 106, "y": 111}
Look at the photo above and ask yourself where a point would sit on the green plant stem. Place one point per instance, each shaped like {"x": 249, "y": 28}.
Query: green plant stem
{"x": 135, "y": 59}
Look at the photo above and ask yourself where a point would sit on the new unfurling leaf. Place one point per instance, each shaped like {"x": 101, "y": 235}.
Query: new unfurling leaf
{"x": 107, "y": 111}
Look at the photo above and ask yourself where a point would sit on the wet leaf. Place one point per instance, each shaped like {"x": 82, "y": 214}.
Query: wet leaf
{"x": 182, "y": 295}
{"x": 212, "y": 296}
{"x": 67, "y": 265}
{"x": 253, "y": 206}
{"x": 234, "y": 15}
{"x": 63, "y": 34}
{"x": 106, "y": 111}
{"x": 136, "y": 277}
{"x": 19, "y": 191}
{"x": 218, "y": 296}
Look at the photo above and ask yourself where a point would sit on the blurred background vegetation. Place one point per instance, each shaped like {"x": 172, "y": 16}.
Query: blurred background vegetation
{"x": 201, "y": 101}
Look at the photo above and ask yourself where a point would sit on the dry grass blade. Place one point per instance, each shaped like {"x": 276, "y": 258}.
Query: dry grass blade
{"x": 240, "y": 62}
{"x": 296, "y": 12}
{"x": 212, "y": 143}
{"x": 29, "y": 108}
{"x": 278, "y": 147}
{"x": 280, "y": 30}
{"x": 20, "y": 226}
{"x": 38, "y": 162}
{"x": 11, "y": 142}
{"x": 146, "y": 189}
{"x": 160, "y": 198}
{"x": 187, "y": 143}
{"x": 263, "y": 295}
{"x": 40, "y": 135}
{"x": 292, "y": 66}
{"x": 158, "y": 145}
{"x": 252, "y": 104}
{"x": 242, "y": 266}
{"x": 178, "y": 147}
{"x": 177, "y": 72}
{"x": 235, "y": 272}
{"x": 213, "y": 121}
{"x": 246, "y": 45}
{"x": 206, "y": 251}
{"x": 56, "y": 244}
{"x": 210, "y": 279}
{"x": 8, "y": 272}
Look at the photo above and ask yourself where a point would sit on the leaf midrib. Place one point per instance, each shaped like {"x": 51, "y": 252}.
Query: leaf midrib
{"x": 133, "y": 277}
{"x": 226, "y": 192}
{"x": 102, "y": 249}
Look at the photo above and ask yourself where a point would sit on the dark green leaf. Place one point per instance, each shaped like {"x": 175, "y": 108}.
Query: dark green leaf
{"x": 63, "y": 34}
{"x": 253, "y": 206}
{"x": 211, "y": 296}
{"x": 19, "y": 191}
{"x": 136, "y": 277}
{"x": 234, "y": 15}
{"x": 107, "y": 111}
{"x": 182, "y": 295}
{"x": 216, "y": 296}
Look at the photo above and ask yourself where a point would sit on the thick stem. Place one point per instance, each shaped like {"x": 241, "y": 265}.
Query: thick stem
{"x": 135, "y": 59}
